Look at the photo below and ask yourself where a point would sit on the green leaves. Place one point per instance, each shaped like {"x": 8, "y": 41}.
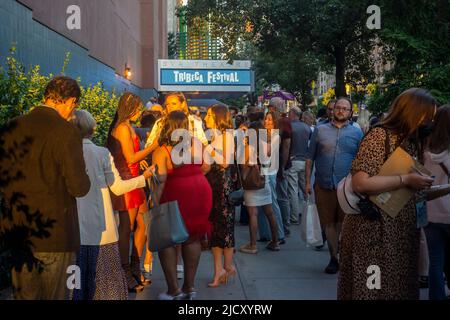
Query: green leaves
{"x": 21, "y": 90}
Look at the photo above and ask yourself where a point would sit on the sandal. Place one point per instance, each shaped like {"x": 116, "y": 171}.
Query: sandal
{"x": 273, "y": 246}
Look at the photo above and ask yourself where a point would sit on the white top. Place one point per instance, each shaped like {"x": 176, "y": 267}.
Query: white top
{"x": 439, "y": 209}
{"x": 271, "y": 164}
{"x": 195, "y": 127}
{"x": 95, "y": 212}
{"x": 217, "y": 145}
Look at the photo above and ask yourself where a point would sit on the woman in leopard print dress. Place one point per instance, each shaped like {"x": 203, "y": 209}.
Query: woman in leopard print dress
{"x": 392, "y": 244}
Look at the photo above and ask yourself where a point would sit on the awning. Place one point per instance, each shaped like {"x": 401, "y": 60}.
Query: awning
{"x": 281, "y": 94}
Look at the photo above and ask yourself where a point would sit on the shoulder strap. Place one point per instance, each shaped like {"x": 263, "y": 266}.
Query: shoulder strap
{"x": 444, "y": 168}
{"x": 170, "y": 156}
{"x": 387, "y": 145}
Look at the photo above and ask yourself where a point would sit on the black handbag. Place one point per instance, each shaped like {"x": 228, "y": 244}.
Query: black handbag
{"x": 166, "y": 227}
{"x": 236, "y": 198}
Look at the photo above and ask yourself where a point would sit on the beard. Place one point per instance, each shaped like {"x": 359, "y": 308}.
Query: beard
{"x": 339, "y": 118}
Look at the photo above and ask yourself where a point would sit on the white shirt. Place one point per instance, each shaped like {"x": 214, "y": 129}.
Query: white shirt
{"x": 268, "y": 168}
{"x": 195, "y": 127}
{"x": 95, "y": 212}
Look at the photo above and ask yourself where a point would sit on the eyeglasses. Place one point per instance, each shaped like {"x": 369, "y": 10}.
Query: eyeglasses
{"x": 342, "y": 109}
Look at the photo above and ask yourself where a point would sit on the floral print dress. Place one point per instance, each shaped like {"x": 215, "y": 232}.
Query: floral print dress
{"x": 222, "y": 214}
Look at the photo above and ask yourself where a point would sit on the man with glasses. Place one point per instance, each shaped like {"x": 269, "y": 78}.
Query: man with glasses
{"x": 332, "y": 148}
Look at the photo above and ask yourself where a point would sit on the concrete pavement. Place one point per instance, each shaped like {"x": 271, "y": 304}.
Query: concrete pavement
{"x": 293, "y": 273}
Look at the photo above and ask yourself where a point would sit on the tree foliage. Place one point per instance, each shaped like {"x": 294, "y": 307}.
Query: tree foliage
{"x": 22, "y": 89}
{"x": 296, "y": 38}
{"x": 416, "y": 39}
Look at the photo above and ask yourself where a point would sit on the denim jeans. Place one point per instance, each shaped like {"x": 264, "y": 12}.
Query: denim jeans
{"x": 263, "y": 224}
{"x": 283, "y": 201}
{"x": 437, "y": 236}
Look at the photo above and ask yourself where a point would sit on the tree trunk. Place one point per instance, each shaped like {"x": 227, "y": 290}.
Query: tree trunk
{"x": 339, "y": 55}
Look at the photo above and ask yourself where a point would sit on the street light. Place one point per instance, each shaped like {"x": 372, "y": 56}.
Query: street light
{"x": 127, "y": 73}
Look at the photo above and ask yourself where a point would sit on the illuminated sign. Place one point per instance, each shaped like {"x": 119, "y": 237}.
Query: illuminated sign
{"x": 205, "y": 75}
{"x": 192, "y": 77}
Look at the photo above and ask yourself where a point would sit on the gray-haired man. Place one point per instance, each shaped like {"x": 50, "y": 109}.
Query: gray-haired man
{"x": 301, "y": 134}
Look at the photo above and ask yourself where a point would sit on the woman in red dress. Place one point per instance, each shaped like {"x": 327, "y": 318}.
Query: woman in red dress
{"x": 187, "y": 185}
{"x": 123, "y": 143}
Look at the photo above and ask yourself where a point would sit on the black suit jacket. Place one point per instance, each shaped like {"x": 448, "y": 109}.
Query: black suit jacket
{"x": 43, "y": 170}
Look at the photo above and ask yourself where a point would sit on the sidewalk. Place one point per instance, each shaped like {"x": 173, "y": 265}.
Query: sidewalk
{"x": 293, "y": 273}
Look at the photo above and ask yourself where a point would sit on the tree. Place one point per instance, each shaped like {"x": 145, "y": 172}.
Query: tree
{"x": 418, "y": 47}
{"x": 296, "y": 36}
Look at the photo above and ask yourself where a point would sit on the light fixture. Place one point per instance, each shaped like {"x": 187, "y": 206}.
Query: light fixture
{"x": 127, "y": 73}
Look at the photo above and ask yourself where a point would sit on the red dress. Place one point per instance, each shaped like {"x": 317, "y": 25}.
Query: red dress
{"x": 132, "y": 199}
{"x": 188, "y": 186}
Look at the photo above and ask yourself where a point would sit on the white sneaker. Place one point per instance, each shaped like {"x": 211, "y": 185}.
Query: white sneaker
{"x": 180, "y": 271}
{"x": 190, "y": 296}
{"x": 165, "y": 296}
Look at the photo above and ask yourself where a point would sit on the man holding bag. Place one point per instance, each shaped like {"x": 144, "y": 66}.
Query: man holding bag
{"x": 333, "y": 147}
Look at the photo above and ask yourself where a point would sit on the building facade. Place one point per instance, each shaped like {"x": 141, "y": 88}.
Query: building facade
{"x": 115, "y": 42}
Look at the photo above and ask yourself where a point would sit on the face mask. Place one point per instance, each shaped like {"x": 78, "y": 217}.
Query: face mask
{"x": 424, "y": 131}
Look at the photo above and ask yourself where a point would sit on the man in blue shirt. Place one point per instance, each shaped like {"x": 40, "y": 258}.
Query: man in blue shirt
{"x": 333, "y": 147}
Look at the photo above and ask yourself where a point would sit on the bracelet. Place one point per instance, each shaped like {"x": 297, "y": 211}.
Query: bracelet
{"x": 402, "y": 182}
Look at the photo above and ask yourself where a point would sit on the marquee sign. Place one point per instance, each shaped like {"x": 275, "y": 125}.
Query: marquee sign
{"x": 205, "y": 75}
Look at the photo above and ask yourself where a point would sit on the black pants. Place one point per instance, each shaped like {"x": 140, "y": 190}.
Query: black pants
{"x": 447, "y": 265}
{"x": 51, "y": 283}
{"x": 244, "y": 215}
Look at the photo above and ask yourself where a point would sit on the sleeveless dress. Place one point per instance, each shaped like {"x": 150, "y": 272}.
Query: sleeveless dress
{"x": 222, "y": 214}
{"x": 135, "y": 198}
{"x": 187, "y": 185}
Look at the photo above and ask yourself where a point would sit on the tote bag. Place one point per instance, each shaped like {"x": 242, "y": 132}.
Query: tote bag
{"x": 310, "y": 230}
{"x": 166, "y": 227}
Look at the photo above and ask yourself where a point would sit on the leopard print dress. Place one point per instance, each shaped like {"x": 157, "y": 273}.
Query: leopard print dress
{"x": 391, "y": 243}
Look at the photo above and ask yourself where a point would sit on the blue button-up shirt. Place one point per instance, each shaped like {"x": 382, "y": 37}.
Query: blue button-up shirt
{"x": 333, "y": 150}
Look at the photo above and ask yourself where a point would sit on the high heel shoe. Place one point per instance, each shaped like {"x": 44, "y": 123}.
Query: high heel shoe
{"x": 231, "y": 275}
{"x": 223, "y": 279}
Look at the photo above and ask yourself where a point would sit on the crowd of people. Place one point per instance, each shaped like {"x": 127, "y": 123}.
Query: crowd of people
{"x": 98, "y": 197}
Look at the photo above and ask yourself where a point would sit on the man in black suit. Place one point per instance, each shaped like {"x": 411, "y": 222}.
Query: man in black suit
{"x": 43, "y": 171}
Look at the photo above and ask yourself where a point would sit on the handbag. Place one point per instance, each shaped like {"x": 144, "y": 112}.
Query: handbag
{"x": 236, "y": 198}
{"x": 311, "y": 231}
{"x": 352, "y": 202}
{"x": 252, "y": 178}
{"x": 166, "y": 225}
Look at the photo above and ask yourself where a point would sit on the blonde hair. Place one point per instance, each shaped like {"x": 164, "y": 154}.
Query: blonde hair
{"x": 181, "y": 98}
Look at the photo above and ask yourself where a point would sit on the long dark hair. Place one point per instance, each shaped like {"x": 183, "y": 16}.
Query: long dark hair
{"x": 222, "y": 117}
{"x": 275, "y": 118}
{"x": 129, "y": 103}
{"x": 409, "y": 110}
{"x": 174, "y": 120}
{"x": 439, "y": 140}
